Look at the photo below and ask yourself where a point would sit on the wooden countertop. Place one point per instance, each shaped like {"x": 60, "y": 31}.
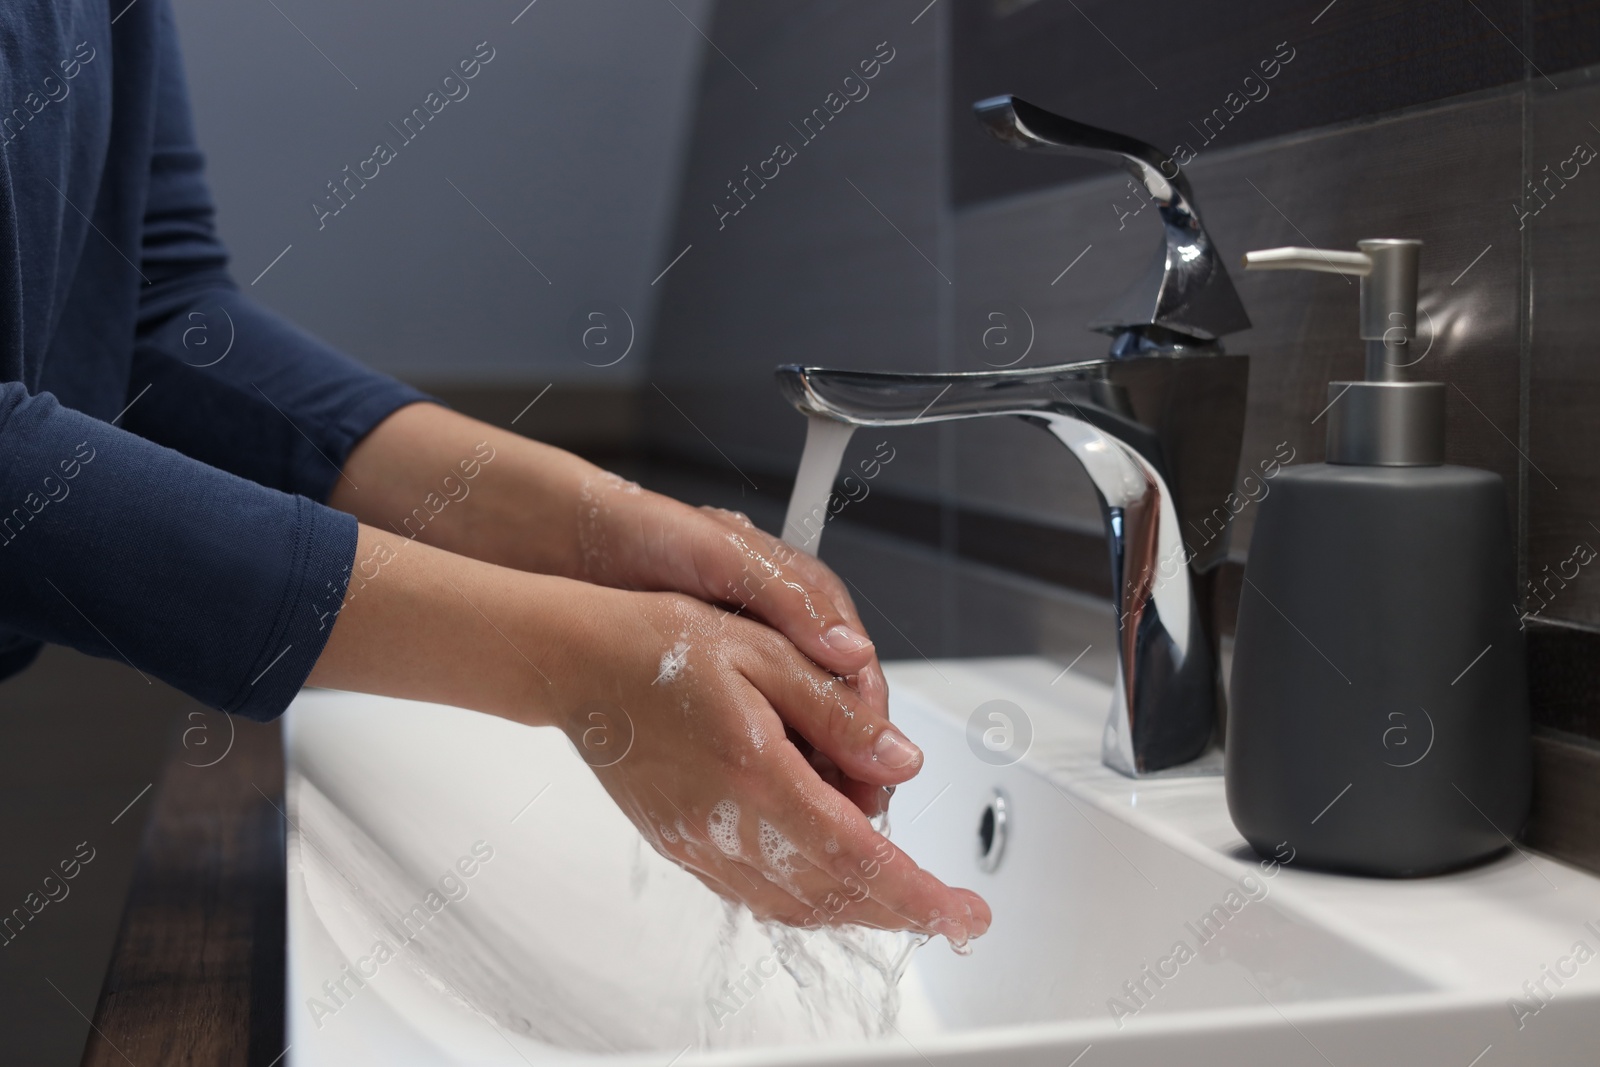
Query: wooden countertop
{"x": 197, "y": 975}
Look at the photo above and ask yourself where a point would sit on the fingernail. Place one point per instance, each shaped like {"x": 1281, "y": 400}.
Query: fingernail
{"x": 843, "y": 639}
{"x": 894, "y": 751}
{"x": 951, "y": 930}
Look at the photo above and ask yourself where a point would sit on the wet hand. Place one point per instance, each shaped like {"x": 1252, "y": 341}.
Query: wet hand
{"x": 637, "y": 539}
{"x": 725, "y": 722}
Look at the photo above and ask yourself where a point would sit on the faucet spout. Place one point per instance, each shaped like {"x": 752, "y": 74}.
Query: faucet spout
{"x": 1159, "y": 437}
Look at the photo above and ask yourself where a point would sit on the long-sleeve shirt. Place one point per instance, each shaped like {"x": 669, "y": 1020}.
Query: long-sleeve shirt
{"x": 166, "y": 444}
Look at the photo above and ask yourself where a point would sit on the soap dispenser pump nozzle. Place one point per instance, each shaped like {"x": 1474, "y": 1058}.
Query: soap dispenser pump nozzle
{"x": 1385, "y": 420}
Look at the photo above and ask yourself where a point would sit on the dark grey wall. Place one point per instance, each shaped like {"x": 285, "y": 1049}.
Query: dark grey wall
{"x": 1221, "y": 75}
{"x": 563, "y": 157}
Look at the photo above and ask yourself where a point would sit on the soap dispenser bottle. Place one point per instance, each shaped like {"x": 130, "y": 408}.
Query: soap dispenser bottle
{"x": 1379, "y": 707}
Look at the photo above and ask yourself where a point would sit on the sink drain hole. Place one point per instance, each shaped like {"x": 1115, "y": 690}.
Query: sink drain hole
{"x": 992, "y": 827}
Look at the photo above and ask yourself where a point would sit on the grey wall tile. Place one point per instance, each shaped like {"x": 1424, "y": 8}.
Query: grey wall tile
{"x": 1177, "y": 73}
{"x": 1564, "y": 388}
{"x": 809, "y": 271}
{"x": 1566, "y": 33}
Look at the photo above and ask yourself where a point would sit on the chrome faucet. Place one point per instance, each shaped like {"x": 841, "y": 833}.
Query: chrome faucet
{"x": 1157, "y": 425}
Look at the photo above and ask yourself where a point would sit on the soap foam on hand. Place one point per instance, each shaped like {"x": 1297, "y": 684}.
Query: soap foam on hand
{"x": 722, "y": 825}
{"x": 674, "y": 662}
{"x": 777, "y": 851}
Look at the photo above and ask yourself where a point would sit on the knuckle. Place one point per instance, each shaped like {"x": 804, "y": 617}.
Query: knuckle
{"x": 771, "y": 650}
{"x": 735, "y": 761}
{"x": 739, "y": 518}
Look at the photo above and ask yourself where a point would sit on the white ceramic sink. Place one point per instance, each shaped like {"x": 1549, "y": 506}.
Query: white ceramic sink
{"x": 574, "y": 941}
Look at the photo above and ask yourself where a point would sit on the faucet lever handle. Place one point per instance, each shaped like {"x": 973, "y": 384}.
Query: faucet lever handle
{"x": 1028, "y": 126}
{"x": 1186, "y": 300}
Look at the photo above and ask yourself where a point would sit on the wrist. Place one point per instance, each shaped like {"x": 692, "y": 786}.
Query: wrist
{"x": 439, "y": 627}
{"x": 567, "y": 650}
{"x": 635, "y": 539}
{"x": 439, "y": 478}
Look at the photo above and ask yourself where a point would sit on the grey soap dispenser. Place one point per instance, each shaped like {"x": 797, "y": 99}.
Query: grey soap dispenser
{"x": 1378, "y": 716}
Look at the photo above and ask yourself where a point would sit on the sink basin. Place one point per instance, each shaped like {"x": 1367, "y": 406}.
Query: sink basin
{"x": 461, "y": 890}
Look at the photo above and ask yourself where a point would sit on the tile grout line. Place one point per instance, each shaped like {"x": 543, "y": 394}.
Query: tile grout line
{"x": 1524, "y": 334}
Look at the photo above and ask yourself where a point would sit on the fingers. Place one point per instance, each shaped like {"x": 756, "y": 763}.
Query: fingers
{"x": 820, "y": 900}
{"x": 982, "y": 916}
{"x": 868, "y": 682}
{"x": 714, "y": 858}
{"x": 873, "y": 686}
{"x": 810, "y": 899}
{"x": 789, "y": 590}
{"x": 836, "y": 838}
{"x": 749, "y": 862}
{"x": 859, "y": 739}
{"x": 871, "y": 799}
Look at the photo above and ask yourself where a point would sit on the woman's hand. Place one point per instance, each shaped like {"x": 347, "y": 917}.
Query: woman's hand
{"x": 716, "y": 713}
{"x": 635, "y": 539}
{"x": 713, "y": 716}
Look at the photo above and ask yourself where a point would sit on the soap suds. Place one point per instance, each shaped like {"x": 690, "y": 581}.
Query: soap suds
{"x": 778, "y": 851}
{"x": 674, "y": 662}
{"x": 723, "y": 827}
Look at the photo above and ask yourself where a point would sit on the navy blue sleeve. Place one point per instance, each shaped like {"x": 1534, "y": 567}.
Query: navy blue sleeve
{"x": 217, "y": 376}
{"x": 121, "y": 548}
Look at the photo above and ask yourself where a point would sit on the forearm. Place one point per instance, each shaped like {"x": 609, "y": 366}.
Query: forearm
{"x": 425, "y": 624}
{"x": 429, "y": 474}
